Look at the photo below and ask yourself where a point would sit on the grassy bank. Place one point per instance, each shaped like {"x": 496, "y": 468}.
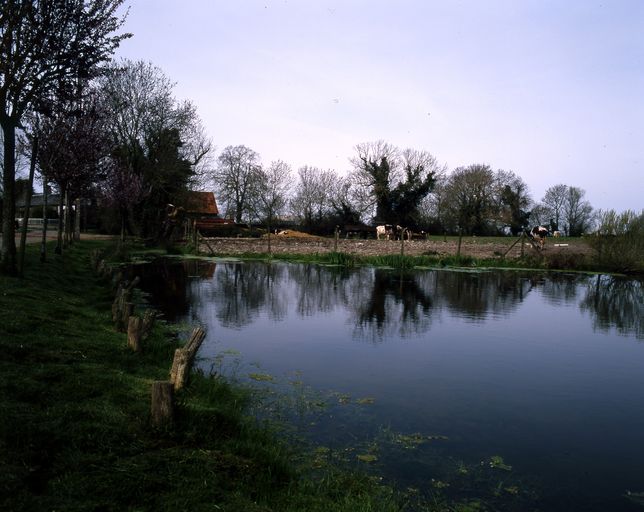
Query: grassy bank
{"x": 563, "y": 262}
{"x": 75, "y": 432}
{"x": 613, "y": 255}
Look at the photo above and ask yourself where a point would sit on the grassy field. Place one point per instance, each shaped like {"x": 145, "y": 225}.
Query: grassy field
{"x": 75, "y": 432}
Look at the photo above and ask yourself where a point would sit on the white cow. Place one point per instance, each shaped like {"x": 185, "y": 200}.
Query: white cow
{"x": 384, "y": 232}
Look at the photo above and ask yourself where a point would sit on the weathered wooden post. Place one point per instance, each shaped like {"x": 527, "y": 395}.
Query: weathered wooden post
{"x": 460, "y": 239}
{"x": 335, "y": 239}
{"x": 162, "y": 406}
{"x": 402, "y": 242}
{"x": 126, "y": 313}
{"x": 134, "y": 326}
{"x": 184, "y": 357}
{"x": 149, "y": 316}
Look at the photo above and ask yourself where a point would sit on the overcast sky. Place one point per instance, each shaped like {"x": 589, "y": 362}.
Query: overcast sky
{"x": 552, "y": 90}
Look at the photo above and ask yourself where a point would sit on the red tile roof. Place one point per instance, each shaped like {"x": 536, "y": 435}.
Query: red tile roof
{"x": 201, "y": 203}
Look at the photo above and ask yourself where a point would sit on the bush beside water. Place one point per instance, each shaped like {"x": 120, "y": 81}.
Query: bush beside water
{"x": 619, "y": 241}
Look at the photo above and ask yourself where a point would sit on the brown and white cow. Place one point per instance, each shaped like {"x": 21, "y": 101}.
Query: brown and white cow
{"x": 539, "y": 234}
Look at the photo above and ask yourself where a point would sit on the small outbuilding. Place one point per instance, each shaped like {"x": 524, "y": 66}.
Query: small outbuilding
{"x": 201, "y": 207}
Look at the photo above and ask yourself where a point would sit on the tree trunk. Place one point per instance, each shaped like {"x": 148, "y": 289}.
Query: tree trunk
{"x": 25, "y": 217}
{"x": 43, "y": 243}
{"x": 61, "y": 204}
{"x": 123, "y": 225}
{"x": 8, "y": 259}
{"x": 77, "y": 220}
{"x": 67, "y": 239}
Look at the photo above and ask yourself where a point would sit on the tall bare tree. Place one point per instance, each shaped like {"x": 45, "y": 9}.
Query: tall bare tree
{"x": 235, "y": 177}
{"x": 271, "y": 192}
{"x": 553, "y": 205}
{"x": 45, "y": 47}
{"x": 310, "y": 202}
{"x": 578, "y": 212}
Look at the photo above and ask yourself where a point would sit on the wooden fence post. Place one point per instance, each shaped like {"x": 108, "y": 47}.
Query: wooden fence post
{"x": 134, "y": 326}
{"x": 184, "y": 357}
{"x": 126, "y": 313}
{"x": 149, "y": 316}
{"x": 162, "y": 406}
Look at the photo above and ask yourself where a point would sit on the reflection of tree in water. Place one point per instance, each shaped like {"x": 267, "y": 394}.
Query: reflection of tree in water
{"x": 559, "y": 288}
{"x": 475, "y": 295}
{"x": 166, "y": 282}
{"x": 240, "y": 291}
{"x": 616, "y": 302}
{"x": 392, "y": 300}
{"x": 320, "y": 289}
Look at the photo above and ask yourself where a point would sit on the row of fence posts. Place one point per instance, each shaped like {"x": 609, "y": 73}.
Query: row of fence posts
{"x": 138, "y": 328}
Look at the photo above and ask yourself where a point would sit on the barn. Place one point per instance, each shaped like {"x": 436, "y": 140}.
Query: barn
{"x": 202, "y": 208}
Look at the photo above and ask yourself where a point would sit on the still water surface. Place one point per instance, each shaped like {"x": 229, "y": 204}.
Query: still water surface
{"x": 443, "y": 379}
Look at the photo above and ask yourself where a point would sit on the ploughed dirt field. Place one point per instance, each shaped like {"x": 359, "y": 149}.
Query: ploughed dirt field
{"x": 294, "y": 242}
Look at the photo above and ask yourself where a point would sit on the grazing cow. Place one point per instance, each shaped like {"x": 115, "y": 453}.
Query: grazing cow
{"x": 385, "y": 231}
{"x": 557, "y": 234}
{"x": 538, "y": 234}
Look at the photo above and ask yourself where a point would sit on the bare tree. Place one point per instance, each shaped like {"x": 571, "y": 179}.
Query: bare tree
{"x": 553, "y": 205}
{"x": 45, "y": 47}
{"x": 347, "y": 204}
{"x": 234, "y": 178}
{"x": 271, "y": 192}
{"x": 565, "y": 209}
{"x": 310, "y": 201}
{"x": 578, "y": 212}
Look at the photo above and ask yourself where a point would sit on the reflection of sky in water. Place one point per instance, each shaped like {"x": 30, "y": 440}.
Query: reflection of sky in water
{"x": 545, "y": 371}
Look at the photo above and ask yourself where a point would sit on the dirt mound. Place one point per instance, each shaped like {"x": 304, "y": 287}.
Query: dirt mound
{"x": 291, "y": 233}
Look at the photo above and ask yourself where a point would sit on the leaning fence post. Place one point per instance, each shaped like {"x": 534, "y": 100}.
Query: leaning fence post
{"x": 184, "y": 357}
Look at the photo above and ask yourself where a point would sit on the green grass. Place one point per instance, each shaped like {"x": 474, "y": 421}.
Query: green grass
{"x": 74, "y": 427}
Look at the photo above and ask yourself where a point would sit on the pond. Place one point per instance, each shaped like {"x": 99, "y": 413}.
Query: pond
{"x": 524, "y": 390}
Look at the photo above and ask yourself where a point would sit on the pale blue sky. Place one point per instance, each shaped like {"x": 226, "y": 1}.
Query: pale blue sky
{"x": 552, "y": 90}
